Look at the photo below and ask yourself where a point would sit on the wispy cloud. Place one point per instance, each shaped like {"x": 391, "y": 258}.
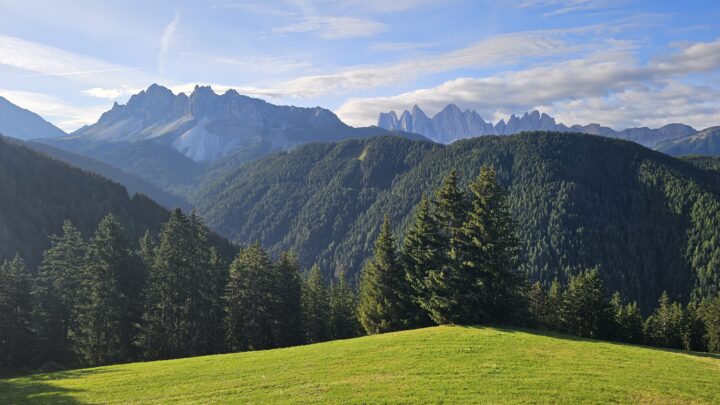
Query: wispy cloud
{"x": 333, "y": 27}
{"x": 614, "y": 76}
{"x": 166, "y": 41}
{"x": 559, "y": 7}
{"x": 493, "y": 51}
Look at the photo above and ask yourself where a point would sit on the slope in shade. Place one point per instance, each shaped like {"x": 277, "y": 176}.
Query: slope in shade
{"x": 23, "y": 124}
{"x": 645, "y": 219}
{"x": 705, "y": 142}
{"x": 39, "y": 193}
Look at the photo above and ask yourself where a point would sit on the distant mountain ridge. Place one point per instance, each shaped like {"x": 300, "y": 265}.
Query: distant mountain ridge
{"x": 451, "y": 124}
{"x": 23, "y": 124}
{"x": 206, "y": 126}
{"x": 705, "y": 142}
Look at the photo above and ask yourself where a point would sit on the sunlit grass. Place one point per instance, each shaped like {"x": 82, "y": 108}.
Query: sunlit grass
{"x": 442, "y": 364}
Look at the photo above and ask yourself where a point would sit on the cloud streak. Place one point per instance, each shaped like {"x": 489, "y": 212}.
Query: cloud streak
{"x": 166, "y": 41}
{"x": 608, "y": 78}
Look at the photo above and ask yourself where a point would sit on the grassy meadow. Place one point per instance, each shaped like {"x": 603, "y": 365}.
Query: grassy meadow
{"x": 448, "y": 364}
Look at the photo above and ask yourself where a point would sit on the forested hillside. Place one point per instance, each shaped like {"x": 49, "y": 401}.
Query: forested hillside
{"x": 646, "y": 220}
{"x": 40, "y": 193}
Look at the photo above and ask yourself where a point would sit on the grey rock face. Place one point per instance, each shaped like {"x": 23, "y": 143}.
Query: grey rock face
{"x": 206, "y": 126}
{"x": 452, "y": 123}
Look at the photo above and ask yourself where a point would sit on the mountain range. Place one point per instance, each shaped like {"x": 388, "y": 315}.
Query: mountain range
{"x": 451, "y": 124}
{"x": 24, "y": 124}
{"x": 705, "y": 142}
{"x": 580, "y": 202}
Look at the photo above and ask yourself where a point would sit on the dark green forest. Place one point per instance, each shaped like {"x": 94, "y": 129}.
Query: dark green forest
{"x": 107, "y": 299}
{"x": 38, "y": 193}
{"x": 648, "y": 222}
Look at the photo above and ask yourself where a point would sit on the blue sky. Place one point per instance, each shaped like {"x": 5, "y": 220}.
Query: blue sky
{"x": 619, "y": 63}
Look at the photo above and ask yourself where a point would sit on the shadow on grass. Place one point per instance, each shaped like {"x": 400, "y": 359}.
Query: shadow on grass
{"x": 558, "y": 335}
{"x": 39, "y": 388}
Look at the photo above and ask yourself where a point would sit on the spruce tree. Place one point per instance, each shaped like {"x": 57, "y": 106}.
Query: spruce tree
{"x": 446, "y": 288}
{"x": 316, "y": 307}
{"x": 421, "y": 254}
{"x": 110, "y": 310}
{"x": 554, "y": 306}
{"x": 489, "y": 253}
{"x": 537, "y": 301}
{"x": 250, "y": 301}
{"x": 385, "y": 301}
{"x": 344, "y": 322}
{"x": 585, "y": 312}
{"x": 16, "y": 337}
{"x": 201, "y": 306}
{"x": 665, "y": 327}
{"x": 165, "y": 326}
{"x": 56, "y": 296}
{"x": 710, "y": 312}
{"x": 289, "y": 292}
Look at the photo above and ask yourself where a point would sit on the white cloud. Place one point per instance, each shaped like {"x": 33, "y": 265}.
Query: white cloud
{"x": 111, "y": 93}
{"x": 493, "y": 51}
{"x": 615, "y": 77}
{"x": 334, "y": 27}
{"x": 166, "y": 41}
{"x": 49, "y": 61}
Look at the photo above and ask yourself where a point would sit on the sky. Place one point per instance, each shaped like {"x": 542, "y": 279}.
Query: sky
{"x": 614, "y": 62}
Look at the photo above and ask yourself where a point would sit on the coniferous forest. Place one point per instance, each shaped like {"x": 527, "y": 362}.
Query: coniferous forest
{"x": 109, "y": 298}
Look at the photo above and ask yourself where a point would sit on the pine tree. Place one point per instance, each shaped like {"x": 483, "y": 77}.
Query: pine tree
{"x": 250, "y": 301}
{"x": 446, "y": 288}
{"x": 56, "y": 296}
{"x": 538, "y": 306}
{"x": 585, "y": 312}
{"x": 289, "y": 291}
{"x": 219, "y": 272}
{"x": 109, "y": 311}
{"x": 385, "y": 296}
{"x": 344, "y": 322}
{"x": 554, "y": 306}
{"x": 694, "y": 328}
{"x": 710, "y": 312}
{"x": 489, "y": 253}
{"x": 201, "y": 309}
{"x": 664, "y": 328}
{"x": 421, "y": 252}
{"x": 16, "y": 337}
{"x": 166, "y": 326}
{"x": 316, "y": 307}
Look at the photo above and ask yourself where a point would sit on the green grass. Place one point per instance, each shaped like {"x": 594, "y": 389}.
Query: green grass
{"x": 442, "y": 364}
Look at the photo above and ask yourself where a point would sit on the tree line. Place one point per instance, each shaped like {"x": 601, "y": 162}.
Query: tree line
{"x": 105, "y": 300}
{"x": 457, "y": 264}
{"x": 102, "y": 300}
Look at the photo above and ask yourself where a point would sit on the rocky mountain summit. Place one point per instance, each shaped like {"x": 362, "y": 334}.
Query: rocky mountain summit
{"x": 451, "y": 124}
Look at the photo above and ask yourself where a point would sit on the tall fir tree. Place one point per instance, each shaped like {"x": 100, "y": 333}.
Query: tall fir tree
{"x": 109, "y": 310}
{"x": 585, "y": 311}
{"x": 16, "y": 337}
{"x": 446, "y": 289}
{"x": 201, "y": 306}
{"x": 421, "y": 254}
{"x": 289, "y": 292}
{"x": 537, "y": 302}
{"x": 250, "y": 301}
{"x": 385, "y": 294}
{"x": 710, "y": 312}
{"x": 165, "y": 327}
{"x": 554, "y": 306}
{"x": 56, "y": 297}
{"x": 344, "y": 322}
{"x": 665, "y": 328}
{"x": 316, "y": 307}
{"x": 489, "y": 255}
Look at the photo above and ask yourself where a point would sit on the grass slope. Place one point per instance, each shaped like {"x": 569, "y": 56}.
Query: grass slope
{"x": 441, "y": 364}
